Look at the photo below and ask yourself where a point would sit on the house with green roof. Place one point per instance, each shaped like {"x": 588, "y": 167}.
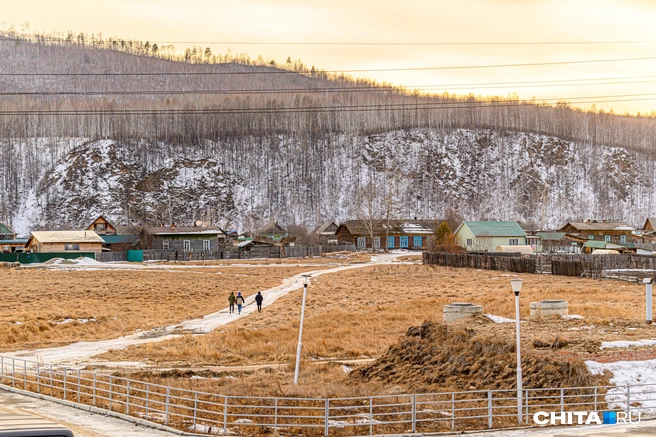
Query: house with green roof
{"x": 8, "y": 240}
{"x": 486, "y": 236}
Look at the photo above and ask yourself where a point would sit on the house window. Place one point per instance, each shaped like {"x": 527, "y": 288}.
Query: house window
{"x": 622, "y": 239}
{"x": 513, "y": 241}
{"x": 69, "y": 246}
{"x": 390, "y": 242}
{"x": 362, "y": 242}
{"x": 590, "y": 237}
{"x": 376, "y": 242}
{"x": 100, "y": 226}
{"x": 206, "y": 245}
{"x": 607, "y": 238}
{"x": 186, "y": 245}
{"x": 403, "y": 242}
{"x": 469, "y": 242}
{"x": 165, "y": 245}
{"x": 417, "y": 241}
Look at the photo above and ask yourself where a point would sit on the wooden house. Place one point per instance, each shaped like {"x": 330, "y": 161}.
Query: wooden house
{"x": 183, "y": 238}
{"x": 327, "y": 233}
{"x": 486, "y": 236}
{"x": 392, "y": 234}
{"x": 560, "y": 242}
{"x": 272, "y": 232}
{"x": 102, "y": 226}
{"x": 64, "y": 241}
{"x": 608, "y": 231}
{"x": 650, "y": 225}
{"x": 8, "y": 240}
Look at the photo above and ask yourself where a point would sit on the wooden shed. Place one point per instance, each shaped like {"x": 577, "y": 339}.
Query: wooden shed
{"x": 102, "y": 226}
{"x": 64, "y": 241}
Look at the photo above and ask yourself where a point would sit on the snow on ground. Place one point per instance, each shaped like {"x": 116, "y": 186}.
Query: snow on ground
{"x": 499, "y": 319}
{"x": 571, "y": 317}
{"x": 78, "y": 354}
{"x": 640, "y": 374}
{"x": 625, "y": 344}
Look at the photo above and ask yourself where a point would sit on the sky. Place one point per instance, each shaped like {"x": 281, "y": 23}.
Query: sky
{"x": 621, "y": 86}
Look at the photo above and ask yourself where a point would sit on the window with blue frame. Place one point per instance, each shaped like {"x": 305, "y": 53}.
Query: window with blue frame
{"x": 622, "y": 239}
{"x": 403, "y": 241}
{"x": 390, "y": 242}
{"x": 416, "y": 242}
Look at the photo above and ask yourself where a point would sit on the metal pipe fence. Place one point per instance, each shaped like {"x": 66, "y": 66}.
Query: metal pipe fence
{"x": 210, "y": 413}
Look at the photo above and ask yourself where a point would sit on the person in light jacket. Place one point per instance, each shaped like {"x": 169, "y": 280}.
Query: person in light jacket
{"x": 240, "y": 302}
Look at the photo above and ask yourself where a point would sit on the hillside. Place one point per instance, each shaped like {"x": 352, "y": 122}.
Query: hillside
{"x": 144, "y": 139}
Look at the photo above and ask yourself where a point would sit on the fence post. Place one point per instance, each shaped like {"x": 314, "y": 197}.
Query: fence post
{"x": 453, "y": 411}
{"x": 414, "y": 413}
{"x": 110, "y": 393}
{"x": 65, "y": 371}
{"x": 2, "y": 364}
{"x": 489, "y": 409}
{"x": 13, "y": 362}
{"x": 325, "y": 429}
{"x": 127, "y": 398}
{"x": 166, "y": 413}
{"x": 50, "y": 379}
{"x": 13, "y": 372}
{"x": 562, "y": 400}
{"x": 225, "y": 415}
{"x": 275, "y": 416}
{"x": 371, "y": 415}
{"x": 527, "y": 409}
{"x": 195, "y": 408}
{"x": 628, "y": 401}
{"x": 79, "y": 383}
{"x": 38, "y": 379}
{"x": 595, "y": 399}
{"x": 94, "y": 389}
{"x": 147, "y": 399}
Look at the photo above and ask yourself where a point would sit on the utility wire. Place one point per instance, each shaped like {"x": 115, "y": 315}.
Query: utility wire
{"x": 272, "y": 70}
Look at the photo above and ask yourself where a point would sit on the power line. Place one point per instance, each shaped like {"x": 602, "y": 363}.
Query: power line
{"x": 271, "y": 70}
{"x": 409, "y": 43}
{"x": 321, "y": 109}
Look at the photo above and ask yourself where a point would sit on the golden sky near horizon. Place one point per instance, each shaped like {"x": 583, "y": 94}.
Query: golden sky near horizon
{"x": 198, "y": 22}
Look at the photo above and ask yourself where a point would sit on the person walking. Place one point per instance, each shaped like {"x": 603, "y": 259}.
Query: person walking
{"x": 239, "y": 301}
{"x": 231, "y": 301}
{"x": 258, "y": 299}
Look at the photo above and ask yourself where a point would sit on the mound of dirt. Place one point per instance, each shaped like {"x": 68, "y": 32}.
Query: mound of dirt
{"x": 432, "y": 358}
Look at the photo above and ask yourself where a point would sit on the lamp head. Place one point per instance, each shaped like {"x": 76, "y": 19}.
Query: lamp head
{"x": 647, "y": 281}
{"x": 516, "y": 285}
{"x": 306, "y": 280}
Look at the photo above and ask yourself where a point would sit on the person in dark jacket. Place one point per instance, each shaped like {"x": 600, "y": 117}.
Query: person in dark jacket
{"x": 240, "y": 302}
{"x": 231, "y": 301}
{"x": 258, "y": 299}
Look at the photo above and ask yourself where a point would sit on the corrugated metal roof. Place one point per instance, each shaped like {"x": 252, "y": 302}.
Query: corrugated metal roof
{"x": 186, "y": 230}
{"x": 551, "y": 236}
{"x": 600, "y": 226}
{"x": 67, "y": 237}
{"x": 596, "y": 244}
{"x": 14, "y": 241}
{"x": 117, "y": 239}
{"x": 495, "y": 229}
{"x": 326, "y": 225}
{"x": 427, "y": 227}
{"x": 4, "y": 229}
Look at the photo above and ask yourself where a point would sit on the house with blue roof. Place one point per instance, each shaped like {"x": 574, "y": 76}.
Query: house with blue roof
{"x": 487, "y": 236}
{"x": 8, "y": 240}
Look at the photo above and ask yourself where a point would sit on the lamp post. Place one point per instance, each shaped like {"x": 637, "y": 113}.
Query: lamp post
{"x": 306, "y": 282}
{"x": 516, "y": 285}
{"x": 648, "y": 285}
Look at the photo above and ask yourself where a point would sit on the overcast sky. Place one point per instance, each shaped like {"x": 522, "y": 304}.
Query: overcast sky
{"x": 410, "y": 21}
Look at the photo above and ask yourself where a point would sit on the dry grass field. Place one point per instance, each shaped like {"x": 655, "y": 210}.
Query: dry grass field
{"x": 360, "y": 313}
{"x": 44, "y": 308}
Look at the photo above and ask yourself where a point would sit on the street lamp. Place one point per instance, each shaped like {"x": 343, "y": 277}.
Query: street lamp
{"x": 516, "y": 285}
{"x": 647, "y": 282}
{"x": 306, "y": 282}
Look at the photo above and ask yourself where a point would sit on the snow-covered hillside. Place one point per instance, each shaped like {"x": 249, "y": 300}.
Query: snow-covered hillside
{"x": 244, "y": 182}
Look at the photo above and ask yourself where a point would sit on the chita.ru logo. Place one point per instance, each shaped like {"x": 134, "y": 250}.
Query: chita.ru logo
{"x": 586, "y": 418}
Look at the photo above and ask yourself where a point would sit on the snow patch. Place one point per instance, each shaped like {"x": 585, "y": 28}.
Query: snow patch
{"x": 625, "y": 344}
{"x": 641, "y": 375}
{"x": 499, "y": 319}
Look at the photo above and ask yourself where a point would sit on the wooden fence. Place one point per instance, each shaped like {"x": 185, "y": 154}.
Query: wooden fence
{"x": 626, "y": 267}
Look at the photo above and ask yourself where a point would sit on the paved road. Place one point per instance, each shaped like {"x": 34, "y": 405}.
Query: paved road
{"x": 646, "y": 428}
{"x": 82, "y": 423}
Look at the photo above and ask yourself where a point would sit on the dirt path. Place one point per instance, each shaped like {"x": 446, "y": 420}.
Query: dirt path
{"x": 78, "y": 354}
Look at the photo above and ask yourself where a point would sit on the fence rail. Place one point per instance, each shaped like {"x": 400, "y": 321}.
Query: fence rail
{"x": 625, "y": 267}
{"x": 190, "y": 410}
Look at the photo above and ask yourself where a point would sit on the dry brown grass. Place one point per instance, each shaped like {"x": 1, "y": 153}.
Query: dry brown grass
{"x": 359, "y": 313}
{"x": 118, "y": 301}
